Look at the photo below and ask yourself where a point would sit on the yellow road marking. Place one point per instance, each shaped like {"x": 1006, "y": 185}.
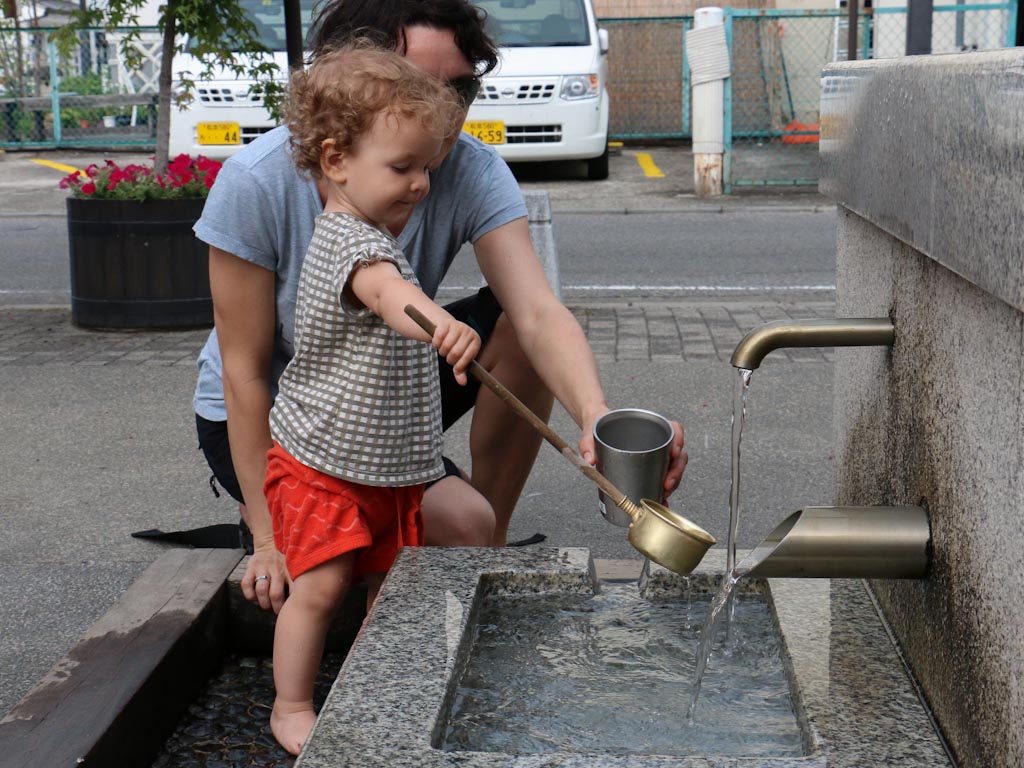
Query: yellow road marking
{"x": 649, "y": 168}
{"x": 57, "y": 166}
{"x": 614, "y": 143}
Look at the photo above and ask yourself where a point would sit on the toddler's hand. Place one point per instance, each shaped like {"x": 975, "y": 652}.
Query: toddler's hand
{"x": 458, "y": 344}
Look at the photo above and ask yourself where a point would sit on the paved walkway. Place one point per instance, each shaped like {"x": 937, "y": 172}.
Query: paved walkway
{"x": 102, "y": 434}
{"x": 666, "y": 331}
{"x": 655, "y": 331}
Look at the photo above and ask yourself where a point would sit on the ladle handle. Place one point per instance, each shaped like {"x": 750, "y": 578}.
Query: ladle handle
{"x": 523, "y": 411}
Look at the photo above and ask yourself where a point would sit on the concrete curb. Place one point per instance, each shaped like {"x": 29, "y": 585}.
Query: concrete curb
{"x": 700, "y": 208}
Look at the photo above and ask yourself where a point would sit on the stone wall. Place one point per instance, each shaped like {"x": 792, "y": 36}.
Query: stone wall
{"x": 923, "y": 156}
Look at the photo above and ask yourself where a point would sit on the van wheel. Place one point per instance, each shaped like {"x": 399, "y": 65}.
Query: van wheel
{"x": 597, "y": 167}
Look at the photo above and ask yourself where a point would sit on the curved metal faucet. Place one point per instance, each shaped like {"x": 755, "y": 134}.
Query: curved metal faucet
{"x": 873, "y": 542}
{"x": 849, "y": 332}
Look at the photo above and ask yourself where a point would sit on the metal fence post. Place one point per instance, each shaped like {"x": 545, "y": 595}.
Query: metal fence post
{"x": 919, "y": 27}
{"x": 51, "y": 52}
{"x": 687, "y": 127}
{"x": 727, "y": 102}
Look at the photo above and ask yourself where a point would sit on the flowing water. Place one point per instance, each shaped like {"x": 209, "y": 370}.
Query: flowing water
{"x": 610, "y": 673}
{"x": 739, "y": 413}
{"x": 722, "y": 598}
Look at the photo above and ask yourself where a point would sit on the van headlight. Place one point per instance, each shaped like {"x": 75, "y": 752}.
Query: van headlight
{"x": 580, "y": 87}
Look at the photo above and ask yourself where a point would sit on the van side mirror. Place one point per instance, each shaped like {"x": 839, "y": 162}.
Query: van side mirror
{"x": 602, "y": 40}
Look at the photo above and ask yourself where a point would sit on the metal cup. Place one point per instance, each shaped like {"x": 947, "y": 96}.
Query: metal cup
{"x": 633, "y": 447}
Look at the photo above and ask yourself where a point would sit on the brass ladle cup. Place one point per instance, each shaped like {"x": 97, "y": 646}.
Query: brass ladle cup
{"x": 655, "y": 531}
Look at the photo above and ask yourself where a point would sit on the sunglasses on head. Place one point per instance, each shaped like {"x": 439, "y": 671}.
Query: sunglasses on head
{"x": 466, "y": 88}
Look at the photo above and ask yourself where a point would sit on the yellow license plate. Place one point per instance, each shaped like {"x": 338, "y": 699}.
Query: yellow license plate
{"x": 218, "y": 133}
{"x": 488, "y": 131}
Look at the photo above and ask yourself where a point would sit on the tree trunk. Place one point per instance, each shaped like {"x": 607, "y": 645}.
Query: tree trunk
{"x": 19, "y": 88}
{"x": 163, "y": 108}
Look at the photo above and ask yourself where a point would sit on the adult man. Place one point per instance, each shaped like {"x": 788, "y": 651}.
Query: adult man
{"x": 258, "y": 221}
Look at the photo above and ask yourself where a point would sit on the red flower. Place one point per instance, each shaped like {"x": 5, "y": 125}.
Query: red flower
{"x": 180, "y": 165}
{"x": 185, "y": 177}
{"x": 71, "y": 180}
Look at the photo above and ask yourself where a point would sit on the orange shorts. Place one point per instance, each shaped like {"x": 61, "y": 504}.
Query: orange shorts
{"x": 318, "y": 517}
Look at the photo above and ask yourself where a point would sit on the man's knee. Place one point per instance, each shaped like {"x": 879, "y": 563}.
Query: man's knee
{"x": 456, "y": 515}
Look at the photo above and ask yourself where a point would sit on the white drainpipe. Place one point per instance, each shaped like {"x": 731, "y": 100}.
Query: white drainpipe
{"x": 708, "y": 57}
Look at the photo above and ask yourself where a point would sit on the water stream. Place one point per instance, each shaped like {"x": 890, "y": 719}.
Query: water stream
{"x": 722, "y": 599}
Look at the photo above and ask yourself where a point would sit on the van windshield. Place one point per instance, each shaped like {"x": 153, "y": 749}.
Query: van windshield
{"x": 268, "y": 16}
{"x": 524, "y": 23}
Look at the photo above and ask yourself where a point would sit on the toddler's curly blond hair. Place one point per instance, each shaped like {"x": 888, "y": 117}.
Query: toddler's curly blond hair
{"x": 344, "y": 90}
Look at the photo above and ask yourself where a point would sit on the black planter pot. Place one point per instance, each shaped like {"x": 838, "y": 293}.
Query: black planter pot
{"x": 138, "y": 265}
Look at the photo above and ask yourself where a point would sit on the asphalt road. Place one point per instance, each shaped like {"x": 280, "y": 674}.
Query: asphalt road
{"x": 609, "y": 254}
{"x": 683, "y": 253}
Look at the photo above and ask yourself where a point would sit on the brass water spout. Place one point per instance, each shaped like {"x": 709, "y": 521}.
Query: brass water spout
{"x": 848, "y": 332}
{"x": 845, "y": 543}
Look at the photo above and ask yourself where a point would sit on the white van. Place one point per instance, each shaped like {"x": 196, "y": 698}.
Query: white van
{"x": 224, "y": 116}
{"x": 548, "y": 98}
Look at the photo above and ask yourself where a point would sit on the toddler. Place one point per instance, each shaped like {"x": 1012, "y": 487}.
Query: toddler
{"x": 357, "y": 420}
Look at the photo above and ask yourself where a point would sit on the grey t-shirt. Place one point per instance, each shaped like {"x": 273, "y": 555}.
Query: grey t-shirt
{"x": 262, "y": 210}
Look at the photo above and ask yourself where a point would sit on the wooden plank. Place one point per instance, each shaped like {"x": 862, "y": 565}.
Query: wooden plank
{"x": 115, "y": 696}
{"x": 81, "y": 100}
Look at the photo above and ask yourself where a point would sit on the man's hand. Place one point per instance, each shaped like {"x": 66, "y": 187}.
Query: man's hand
{"x": 677, "y": 461}
{"x": 678, "y": 457}
{"x": 266, "y": 579}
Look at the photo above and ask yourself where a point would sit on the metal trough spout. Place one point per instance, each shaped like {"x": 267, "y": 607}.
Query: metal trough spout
{"x": 845, "y": 542}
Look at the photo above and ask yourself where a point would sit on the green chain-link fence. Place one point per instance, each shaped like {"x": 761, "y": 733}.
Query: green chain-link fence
{"x": 773, "y": 94}
{"x": 960, "y": 27}
{"x": 772, "y": 97}
{"x": 648, "y": 78}
{"x": 88, "y": 98}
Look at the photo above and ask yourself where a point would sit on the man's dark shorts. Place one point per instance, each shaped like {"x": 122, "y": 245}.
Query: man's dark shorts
{"x": 480, "y": 312}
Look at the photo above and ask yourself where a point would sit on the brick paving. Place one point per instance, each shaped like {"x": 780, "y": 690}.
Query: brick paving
{"x": 688, "y": 329}
{"x": 644, "y": 330}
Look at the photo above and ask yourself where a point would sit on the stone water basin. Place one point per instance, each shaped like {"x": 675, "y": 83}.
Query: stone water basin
{"x": 396, "y": 699}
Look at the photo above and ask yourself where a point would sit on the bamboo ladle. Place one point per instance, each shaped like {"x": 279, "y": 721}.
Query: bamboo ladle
{"x": 655, "y": 531}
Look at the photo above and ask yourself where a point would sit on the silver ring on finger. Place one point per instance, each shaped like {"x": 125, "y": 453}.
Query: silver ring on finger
{"x": 258, "y": 579}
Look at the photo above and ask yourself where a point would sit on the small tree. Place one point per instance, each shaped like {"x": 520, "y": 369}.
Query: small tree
{"x": 216, "y": 29}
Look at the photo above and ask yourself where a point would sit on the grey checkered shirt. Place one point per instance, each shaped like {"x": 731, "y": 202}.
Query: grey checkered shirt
{"x": 358, "y": 400}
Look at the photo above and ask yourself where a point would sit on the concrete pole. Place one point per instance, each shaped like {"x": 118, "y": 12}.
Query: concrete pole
{"x": 708, "y": 116}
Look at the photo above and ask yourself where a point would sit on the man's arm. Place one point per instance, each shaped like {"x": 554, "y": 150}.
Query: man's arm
{"x": 546, "y": 330}
{"x": 245, "y": 315}
{"x": 550, "y": 336}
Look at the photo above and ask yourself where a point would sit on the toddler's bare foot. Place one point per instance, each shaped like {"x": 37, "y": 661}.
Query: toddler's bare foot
{"x": 291, "y": 723}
